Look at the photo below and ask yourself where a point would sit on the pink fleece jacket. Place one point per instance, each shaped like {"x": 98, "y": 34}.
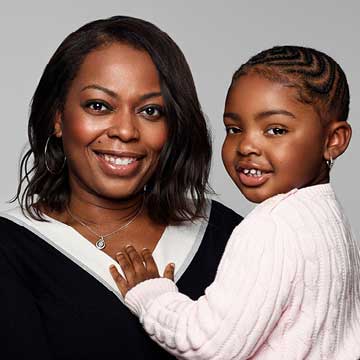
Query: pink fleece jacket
{"x": 287, "y": 287}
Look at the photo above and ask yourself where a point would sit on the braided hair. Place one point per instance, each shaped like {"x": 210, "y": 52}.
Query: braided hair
{"x": 318, "y": 78}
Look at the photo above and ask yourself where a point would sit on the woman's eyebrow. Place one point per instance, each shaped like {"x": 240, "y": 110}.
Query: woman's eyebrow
{"x": 267, "y": 113}
{"x": 101, "y": 88}
{"x": 150, "y": 95}
{"x": 115, "y": 95}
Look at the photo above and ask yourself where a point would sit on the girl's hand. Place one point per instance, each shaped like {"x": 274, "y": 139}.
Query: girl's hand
{"x": 137, "y": 268}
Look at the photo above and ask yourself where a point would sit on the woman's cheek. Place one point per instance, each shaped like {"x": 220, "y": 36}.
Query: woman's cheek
{"x": 159, "y": 138}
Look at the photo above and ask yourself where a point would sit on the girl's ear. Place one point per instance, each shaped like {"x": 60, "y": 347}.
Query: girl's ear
{"x": 338, "y": 138}
{"x": 58, "y": 124}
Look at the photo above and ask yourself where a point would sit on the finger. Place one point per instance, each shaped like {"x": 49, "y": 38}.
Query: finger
{"x": 137, "y": 262}
{"x": 169, "y": 271}
{"x": 150, "y": 263}
{"x": 127, "y": 268}
{"x": 121, "y": 283}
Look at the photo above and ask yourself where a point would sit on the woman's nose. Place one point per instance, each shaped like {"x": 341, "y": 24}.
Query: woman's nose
{"x": 124, "y": 126}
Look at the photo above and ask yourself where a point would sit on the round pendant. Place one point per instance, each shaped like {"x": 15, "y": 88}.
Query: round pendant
{"x": 100, "y": 244}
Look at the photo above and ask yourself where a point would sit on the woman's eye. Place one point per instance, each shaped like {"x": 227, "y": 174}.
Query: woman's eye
{"x": 98, "y": 106}
{"x": 276, "y": 131}
{"x": 152, "y": 112}
{"x": 232, "y": 130}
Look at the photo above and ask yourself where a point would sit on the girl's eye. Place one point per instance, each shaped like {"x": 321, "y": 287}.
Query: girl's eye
{"x": 152, "y": 112}
{"x": 232, "y": 130}
{"x": 276, "y": 131}
{"x": 98, "y": 106}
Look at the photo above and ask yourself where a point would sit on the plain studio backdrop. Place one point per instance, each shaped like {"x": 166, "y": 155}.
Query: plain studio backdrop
{"x": 216, "y": 37}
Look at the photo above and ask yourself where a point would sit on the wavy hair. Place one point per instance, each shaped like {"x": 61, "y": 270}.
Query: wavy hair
{"x": 184, "y": 162}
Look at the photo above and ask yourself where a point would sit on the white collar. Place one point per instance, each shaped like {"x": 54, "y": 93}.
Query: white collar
{"x": 177, "y": 244}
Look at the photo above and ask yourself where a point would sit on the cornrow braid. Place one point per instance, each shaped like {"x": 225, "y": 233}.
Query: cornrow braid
{"x": 318, "y": 78}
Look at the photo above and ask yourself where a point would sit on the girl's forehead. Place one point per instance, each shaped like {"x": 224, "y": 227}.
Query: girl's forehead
{"x": 255, "y": 88}
{"x": 252, "y": 94}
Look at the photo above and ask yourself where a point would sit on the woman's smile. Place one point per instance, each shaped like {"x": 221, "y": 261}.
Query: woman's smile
{"x": 113, "y": 124}
{"x": 120, "y": 164}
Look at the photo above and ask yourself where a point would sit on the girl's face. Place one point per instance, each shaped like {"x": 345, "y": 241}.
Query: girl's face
{"x": 113, "y": 125}
{"x": 274, "y": 143}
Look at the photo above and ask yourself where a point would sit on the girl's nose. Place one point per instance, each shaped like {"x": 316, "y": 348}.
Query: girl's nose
{"x": 124, "y": 127}
{"x": 248, "y": 144}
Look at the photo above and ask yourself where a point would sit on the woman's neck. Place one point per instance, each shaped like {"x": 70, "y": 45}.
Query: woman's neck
{"x": 105, "y": 211}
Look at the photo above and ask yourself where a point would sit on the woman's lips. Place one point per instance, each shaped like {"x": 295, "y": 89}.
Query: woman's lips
{"x": 115, "y": 165}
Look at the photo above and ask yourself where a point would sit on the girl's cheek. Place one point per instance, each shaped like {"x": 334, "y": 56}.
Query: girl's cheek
{"x": 228, "y": 150}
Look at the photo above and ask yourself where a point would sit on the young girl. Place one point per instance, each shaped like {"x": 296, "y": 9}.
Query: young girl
{"x": 288, "y": 285}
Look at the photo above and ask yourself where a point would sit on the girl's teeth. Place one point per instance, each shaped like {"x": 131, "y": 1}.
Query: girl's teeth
{"x": 252, "y": 172}
{"x": 118, "y": 160}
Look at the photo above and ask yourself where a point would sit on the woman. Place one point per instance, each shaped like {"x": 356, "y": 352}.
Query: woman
{"x": 120, "y": 153}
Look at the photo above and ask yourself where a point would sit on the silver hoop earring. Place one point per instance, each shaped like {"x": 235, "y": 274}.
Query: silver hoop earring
{"x": 330, "y": 163}
{"x": 48, "y": 168}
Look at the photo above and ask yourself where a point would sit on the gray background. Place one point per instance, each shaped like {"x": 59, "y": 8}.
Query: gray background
{"x": 216, "y": 37}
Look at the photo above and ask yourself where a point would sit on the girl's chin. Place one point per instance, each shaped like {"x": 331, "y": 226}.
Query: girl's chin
{"x": 254, "y": 195}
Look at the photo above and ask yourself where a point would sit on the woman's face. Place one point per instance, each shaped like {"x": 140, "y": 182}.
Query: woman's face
{"x": 113, "y": 125}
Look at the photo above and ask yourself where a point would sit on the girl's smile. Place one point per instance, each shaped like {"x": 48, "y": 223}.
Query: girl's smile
{"x": 274, "y": 142}
{"x": 252, "y": 174}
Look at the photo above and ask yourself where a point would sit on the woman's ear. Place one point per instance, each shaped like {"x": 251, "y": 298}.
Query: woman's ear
{"x": 58, "y": 124}
{"x": 338, "y": 138}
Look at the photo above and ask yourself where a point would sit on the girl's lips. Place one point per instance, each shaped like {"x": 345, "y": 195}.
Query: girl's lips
{"x": 113, "y": 169}
{"x": 253, "y": 181}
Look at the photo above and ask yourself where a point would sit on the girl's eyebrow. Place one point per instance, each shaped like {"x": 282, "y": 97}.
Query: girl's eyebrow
{"x": 261, "y": 115}
{"x": 232, "y": 116}
{"x": 265, "y": 114}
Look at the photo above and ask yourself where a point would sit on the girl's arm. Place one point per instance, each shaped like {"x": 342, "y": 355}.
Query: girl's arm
{"x": 239, "y": 309}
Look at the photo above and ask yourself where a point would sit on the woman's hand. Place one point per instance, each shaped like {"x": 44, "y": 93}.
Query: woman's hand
{"x": 137, "y": 268}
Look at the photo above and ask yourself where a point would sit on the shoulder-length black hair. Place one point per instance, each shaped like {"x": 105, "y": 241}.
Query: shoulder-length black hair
{"x": 184, "y": 164}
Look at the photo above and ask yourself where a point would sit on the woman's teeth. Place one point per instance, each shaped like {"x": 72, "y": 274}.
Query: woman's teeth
{"x": 252, "y": 172}
{"x": 115, "y": 160}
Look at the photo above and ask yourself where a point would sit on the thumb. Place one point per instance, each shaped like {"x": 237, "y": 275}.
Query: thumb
{"x": 169, "y": 271}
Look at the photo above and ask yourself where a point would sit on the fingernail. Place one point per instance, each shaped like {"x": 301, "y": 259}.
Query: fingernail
{"x": 172, "y": 265}
{"x": 128, "y": 246}
{"x": 119, "y": 253}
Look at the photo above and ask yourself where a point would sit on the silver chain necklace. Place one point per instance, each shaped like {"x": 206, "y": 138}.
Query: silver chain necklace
{"x": 100, "y": 243}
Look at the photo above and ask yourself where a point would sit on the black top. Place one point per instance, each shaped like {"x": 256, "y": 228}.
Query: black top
{"x": 50, "y": 308}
